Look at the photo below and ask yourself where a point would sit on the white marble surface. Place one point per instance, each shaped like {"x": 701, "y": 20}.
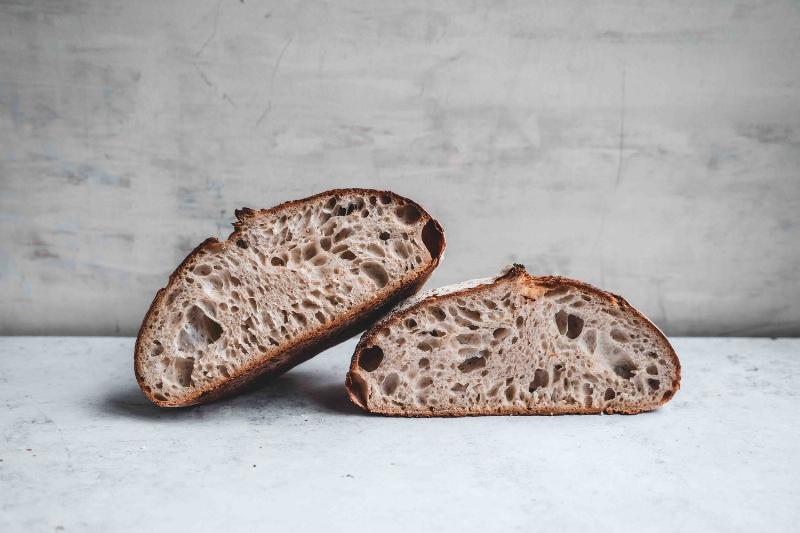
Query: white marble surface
{"x": 82, "y": 450}
{"x": 649, "y": 147}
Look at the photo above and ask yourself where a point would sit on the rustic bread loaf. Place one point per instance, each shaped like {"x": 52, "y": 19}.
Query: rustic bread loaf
{"x": 287, "y": 283}
{"x": 515, "y": 344}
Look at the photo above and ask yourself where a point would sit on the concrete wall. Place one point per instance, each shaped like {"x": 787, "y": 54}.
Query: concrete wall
{"x": 650, "y": 147}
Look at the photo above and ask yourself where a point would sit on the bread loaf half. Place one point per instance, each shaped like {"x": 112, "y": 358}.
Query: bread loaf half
{"x": 515, "y": 344}
{"x": 287, "y": 283}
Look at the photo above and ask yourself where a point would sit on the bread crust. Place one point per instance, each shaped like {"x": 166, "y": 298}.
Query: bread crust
{"x": 515, "y": 272}
{"x": 304, "y": 347}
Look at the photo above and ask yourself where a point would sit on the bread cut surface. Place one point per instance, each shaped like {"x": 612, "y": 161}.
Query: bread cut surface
{"x": 515, "y": 344}
{"x": 287, "y": 283}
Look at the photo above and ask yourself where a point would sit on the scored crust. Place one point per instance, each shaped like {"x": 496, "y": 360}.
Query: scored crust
{"x": 302, "y": 347}
{"x": 517, "y": 279}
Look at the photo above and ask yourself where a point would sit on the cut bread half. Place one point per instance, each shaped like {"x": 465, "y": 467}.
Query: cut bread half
{"x": 515, "y": 344}
{"x": 287, "y": 283}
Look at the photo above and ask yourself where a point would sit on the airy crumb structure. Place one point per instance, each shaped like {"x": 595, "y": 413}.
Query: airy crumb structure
{"x": 515, "y": 344}
{"x": 288, "y": 282}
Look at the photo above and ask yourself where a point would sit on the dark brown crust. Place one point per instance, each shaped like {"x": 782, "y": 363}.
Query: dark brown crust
{"x": 353, "y": 381}
{"x": 302, "y": 348}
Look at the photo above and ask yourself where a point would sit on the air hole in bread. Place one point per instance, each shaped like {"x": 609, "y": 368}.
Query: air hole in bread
{"x": 609, "y": 394}
{"x": 424, "y": 382}
{"x": 574, "y": 326}
{"x": 202, "y": 270}
{"x": 376, "y": 273}
{"x": 469, "y": 338}
{"x": 438, "y": 313}
{"x": 309, "y": 304}
{"x": 300, "y": 318}
{"x": 558, "y": 371}
{"x": 654, "y": 383}
{"x": 376, "y": 249}
{"x": 390, "y": 383}
{"x": 241, "y": 243}
{"x": 470, "y": 314}
{"x": 309, "y": 251}
{"x": 347, "y": 255}
{"x": 561, "y": 321}
{"x": 342, "y": 234}
{"x": 433, "y": 238}
{"x": 408, "y": 214}
{"x": 424, "y": 363}
{"x": 157, "y": 349}
{"x": 402, "y": 249}
{"x": 472, "y": 363}
{"x": 619, "y": 336}
{"x": 540, "y": 380}
{"x": 384, "y": 236}
{"x": 183, "y": 370}
{"x": 510, "y": 392}
{"x": 625, "y": 368}
{"x": 199, "y": 331}
{"x": 501, "y": 333}
{"x": 371, "y": 358}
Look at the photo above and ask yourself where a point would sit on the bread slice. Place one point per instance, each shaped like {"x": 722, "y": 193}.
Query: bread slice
{"x": 287, "y": 283}
{"x": 515, "y": 344}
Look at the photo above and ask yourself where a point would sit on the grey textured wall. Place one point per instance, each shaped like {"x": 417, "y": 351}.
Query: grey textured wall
{"x": 650, "y": 147}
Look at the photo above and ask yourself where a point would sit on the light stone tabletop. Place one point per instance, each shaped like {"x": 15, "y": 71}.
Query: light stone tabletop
{"x": 82, "y": 450}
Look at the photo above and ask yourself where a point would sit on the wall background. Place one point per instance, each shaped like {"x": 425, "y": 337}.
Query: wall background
{"x": 651, "y": 147}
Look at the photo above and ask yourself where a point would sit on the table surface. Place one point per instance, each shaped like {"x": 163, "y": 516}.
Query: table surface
{"x": 83, "y": 450}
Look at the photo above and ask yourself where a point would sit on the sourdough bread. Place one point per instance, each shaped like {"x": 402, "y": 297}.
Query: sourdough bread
{"x": 289, "y": 282}
{"x": 515, "y": 344}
